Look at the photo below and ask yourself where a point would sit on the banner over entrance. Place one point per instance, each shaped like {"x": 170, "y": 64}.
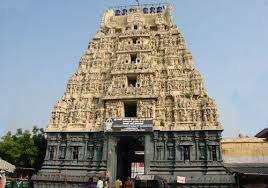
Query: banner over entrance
{"x": 137, "y": 169}
{"x": 128, "y": 125}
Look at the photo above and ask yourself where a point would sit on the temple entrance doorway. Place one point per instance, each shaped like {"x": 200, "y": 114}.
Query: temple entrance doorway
{"x": 130, "y": 153}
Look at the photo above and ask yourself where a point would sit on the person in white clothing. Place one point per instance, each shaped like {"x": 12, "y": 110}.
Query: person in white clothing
{"x": 100, "y": 183}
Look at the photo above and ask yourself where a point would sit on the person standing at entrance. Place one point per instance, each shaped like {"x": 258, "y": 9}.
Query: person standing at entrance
{"x": 90, "y": 183}
{"x": 165, "y": 183}
{"x": 1, "y": 182}
{"x": 100, "y": 183}
{"x": 106, "y": 183}
{"x": 128, "y": 183}
{"x": 118, "y": 183}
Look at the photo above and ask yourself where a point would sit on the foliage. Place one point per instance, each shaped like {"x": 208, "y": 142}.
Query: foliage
{"x": 188, "y": 95}
{"x": 24, "y": 149}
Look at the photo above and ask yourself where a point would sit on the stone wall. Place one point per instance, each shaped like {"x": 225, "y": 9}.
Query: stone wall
{"x": 74, "y": 157}
{"x": 245, "y": 150}
{"x": 139, "y": 57}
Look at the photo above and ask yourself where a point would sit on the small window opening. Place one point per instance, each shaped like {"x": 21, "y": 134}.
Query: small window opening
{"x": 135, "y": 27}
{"x": 186, "y": 152}
{"x": 133, "y": 58}
{"x": 153, "y": 28}
{"x": 132, "y": 80}
{"x": 75, "y": 153}
{"x": 118, "y": 30}
{"x": 130, "y": 108}
{"x": 134, "y": 40}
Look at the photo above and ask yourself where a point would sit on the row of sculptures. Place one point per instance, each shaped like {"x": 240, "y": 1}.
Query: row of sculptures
{"x": 177, "y": 101}
{"x": 144, "y": 84}
{"x": 91, "y": 111}
{"x": 167, "y": 74}
{"x": 136, "y": 60}
{"x": 136, "y": 43}
{"x": 164, "y": 149}
{"x": 148, "y": 43}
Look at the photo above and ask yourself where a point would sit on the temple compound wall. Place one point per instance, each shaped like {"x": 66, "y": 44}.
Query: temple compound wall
{"x": 245, "y": 150}
{"x": 136, "y": 97}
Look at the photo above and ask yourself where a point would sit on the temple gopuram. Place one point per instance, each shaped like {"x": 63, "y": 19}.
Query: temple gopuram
{"x": 136, "y": 107}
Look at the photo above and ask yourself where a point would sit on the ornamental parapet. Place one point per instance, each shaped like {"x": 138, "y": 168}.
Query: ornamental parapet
{"x": 134, "y": 50}
{"x": 131, "y": 91}
{"x": 133, "y": 68}
{"x": 134, "y": 34}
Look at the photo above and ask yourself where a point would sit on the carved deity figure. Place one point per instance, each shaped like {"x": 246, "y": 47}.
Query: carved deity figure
{"x": 150, "y": 49}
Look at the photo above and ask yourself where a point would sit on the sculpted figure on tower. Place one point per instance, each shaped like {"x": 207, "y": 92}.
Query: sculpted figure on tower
{"x": 139, "y": 57}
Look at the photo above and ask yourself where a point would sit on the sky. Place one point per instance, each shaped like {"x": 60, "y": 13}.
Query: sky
{"x": 41, "y": 43}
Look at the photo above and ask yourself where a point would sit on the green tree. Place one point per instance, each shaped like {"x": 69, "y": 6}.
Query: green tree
{"x": 24, "y": 149}
{"x": 41, "y": 144}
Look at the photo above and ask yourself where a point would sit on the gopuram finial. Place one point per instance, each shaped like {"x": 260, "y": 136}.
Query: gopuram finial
{"x": 138, "y": 2}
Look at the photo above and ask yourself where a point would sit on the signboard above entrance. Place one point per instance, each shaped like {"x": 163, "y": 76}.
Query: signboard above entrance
{"x": 128, "y": 125}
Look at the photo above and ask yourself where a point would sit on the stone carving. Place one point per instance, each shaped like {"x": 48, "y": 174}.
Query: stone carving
{"x": 135, "y": 18}
{"x": 139, "y": 57}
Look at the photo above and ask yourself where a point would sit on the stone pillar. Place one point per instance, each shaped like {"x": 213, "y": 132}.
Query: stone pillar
{"x": 57, "y": 150}
{"x": 155, "y": 144}
{"x": 165, "y": 147}
{"x": 47, "y": 151}
{"x": 148, "y": 153}
{"x": 196, "y": 146}
{"x": 206, "y": 146}
{"x": 95, "y": 150}
{"x": 218, "y": 153}
{"x": 85, "y": 149}
{"x": 68, "y": 149}
{"x": 177, "y": 151}
{"x": 104, "y": 148}
{"x": 181, "y": 153}
{"x": 111, "y": 158}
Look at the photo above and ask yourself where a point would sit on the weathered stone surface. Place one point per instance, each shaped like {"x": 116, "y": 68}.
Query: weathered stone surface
{"x": 151, "y": 49}
{"x": 138, "y": 57}
{"x": 245, "y": 150}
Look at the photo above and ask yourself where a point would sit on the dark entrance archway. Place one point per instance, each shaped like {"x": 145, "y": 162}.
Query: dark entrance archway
{"x": 129, "y": 149}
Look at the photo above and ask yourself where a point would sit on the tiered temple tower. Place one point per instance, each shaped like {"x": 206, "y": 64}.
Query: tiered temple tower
{"x": 136, "y": 97}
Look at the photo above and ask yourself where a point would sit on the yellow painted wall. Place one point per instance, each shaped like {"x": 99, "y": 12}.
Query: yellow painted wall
{"x": 245, "y": 147}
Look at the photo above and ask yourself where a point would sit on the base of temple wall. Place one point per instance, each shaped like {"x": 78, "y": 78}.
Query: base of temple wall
{"x": 164, "y": 156}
